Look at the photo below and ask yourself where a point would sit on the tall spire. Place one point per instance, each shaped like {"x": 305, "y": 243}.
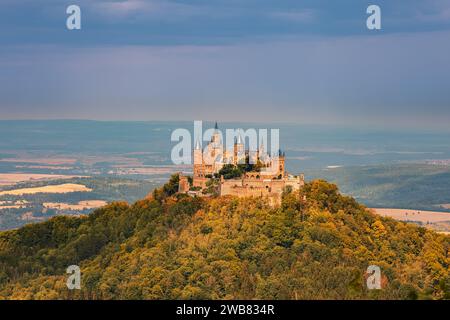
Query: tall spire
{"x": 216, "y": 126}
{"x": 239, "y": 139}
{"x": 197, "y": 145}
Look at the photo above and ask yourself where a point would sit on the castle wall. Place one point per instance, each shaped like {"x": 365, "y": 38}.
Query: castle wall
{"x": 295, "y": 182}
{"x": 199, "y": 182}
{"x": 246, "y": 187}
{"x": 183, "y": 185}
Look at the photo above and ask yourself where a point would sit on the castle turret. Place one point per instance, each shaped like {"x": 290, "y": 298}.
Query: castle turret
{"x": 239, "y": 152}
{"x": 215, "y": 139}
{"x": 281, "y": 163}
{"x": 198, "y": 156}
{"x": 198, "y": 160}
{"x": 262, "y": 156}
{"x": 261, "y": 150}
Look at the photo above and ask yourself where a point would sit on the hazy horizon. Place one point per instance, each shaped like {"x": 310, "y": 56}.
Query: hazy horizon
{"x": 209, "y": 123}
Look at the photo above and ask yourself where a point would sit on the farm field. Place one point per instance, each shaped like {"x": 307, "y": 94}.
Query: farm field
{"x": 61, "y": 188}
{"x": 413, "y": 215}
{"x": 436, "y": 220}
{"x": 7, "y": 179}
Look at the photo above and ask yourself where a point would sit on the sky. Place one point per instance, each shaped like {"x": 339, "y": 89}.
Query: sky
{"x": 305, "y": 61}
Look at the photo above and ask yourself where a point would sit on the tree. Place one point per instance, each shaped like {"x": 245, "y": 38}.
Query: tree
{"x": 316, "y": 245}
{"x": 230, "y": 171}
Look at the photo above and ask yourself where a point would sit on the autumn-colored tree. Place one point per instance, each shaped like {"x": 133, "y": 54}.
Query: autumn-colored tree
{"x": 316, "y": 245}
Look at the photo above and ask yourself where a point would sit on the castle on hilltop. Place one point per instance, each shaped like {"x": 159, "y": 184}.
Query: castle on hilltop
{"x": 239, "y": 172}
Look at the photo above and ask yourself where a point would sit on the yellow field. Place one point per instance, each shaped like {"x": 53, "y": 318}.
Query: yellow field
{"x": 13, "y": 204}
{"x": 48, "y": 161}
{"x": 60, "y": 188}
{"x": 10, "y": 207}
{"x": 413, "y": 215}
{"x": 82, "y": 205}
{"x": 13, "y": 178}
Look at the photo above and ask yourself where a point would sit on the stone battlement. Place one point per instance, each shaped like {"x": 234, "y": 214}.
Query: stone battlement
{"x": 260, "y": 187}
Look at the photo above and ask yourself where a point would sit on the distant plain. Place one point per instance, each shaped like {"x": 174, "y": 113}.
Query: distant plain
{"x": 126, "y": 160}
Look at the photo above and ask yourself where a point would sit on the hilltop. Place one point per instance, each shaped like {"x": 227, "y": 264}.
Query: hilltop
{"x": 316, "y": 245}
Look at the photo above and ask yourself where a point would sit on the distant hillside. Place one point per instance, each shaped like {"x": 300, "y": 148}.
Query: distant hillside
{"x": 33, "y": 209}
{"x": 411, "y": 186}
{"x": 316, "y": 246}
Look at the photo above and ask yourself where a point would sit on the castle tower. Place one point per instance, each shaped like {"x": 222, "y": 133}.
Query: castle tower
{"x": 198, "y": 156}
{"x": 281, "y": 163}
{"x": 215, "y": 139}
{"x": 253, "y": 156}
{"x": 239, "y": 152}
{"x": 216, "y": 150}
{"x": 198, "y": 160}
{"x": 262, "y": 156}
{"x": 183, "y": 184}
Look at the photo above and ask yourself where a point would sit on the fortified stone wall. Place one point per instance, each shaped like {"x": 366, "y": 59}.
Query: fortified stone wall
{"x": 270, "y": 188}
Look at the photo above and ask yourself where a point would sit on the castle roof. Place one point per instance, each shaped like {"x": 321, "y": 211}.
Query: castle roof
{"x": 197, "y": 145}
{"x": 239, "y": 139}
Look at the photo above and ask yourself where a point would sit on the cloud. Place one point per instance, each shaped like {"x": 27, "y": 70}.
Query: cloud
{"x": 399, "y": 79}
{"x": 304, "y": 16}
{"x": 123, "y": 8}
{"x": 175, "y": 22}
{"x": 148, "y": 9}
{"x": 262, "y": 59}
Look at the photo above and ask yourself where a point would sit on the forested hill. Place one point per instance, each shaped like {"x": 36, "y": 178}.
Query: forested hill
{"x": 317, "y": 245}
